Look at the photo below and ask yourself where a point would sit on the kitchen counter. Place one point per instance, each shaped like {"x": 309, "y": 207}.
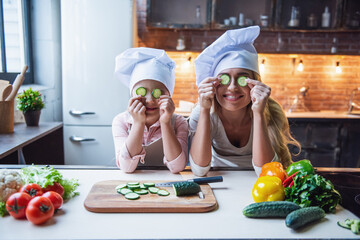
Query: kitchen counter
{"x": 233, "y": 194}
{"x": 323, "y": 114}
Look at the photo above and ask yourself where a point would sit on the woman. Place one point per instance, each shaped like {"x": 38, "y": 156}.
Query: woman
{"x": 236, "y": 123}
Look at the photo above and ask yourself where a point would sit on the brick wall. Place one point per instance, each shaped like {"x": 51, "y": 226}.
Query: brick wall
{"x": 327, "y": 90}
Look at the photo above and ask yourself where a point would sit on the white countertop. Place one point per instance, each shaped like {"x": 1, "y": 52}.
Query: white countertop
{"x": 233, "y": 194}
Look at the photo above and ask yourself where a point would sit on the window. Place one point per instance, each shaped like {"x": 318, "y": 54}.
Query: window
{"x": 15, "y": 39}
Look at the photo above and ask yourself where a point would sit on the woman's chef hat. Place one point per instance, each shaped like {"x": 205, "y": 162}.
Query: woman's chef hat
{"x": 233, "y": 49}
{"x": 136, "y": 64}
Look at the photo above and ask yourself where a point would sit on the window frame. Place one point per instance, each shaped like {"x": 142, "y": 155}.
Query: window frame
{"x": 10, "y": 76}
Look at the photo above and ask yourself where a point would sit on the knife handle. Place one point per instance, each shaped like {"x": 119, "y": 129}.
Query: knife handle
{"x": 208, "y": 179}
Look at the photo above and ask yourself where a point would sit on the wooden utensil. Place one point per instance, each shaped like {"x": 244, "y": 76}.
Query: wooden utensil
{"x": 17, "y": 83}
{"x": 5, "y": 91}
{"x": 104, "y": 198}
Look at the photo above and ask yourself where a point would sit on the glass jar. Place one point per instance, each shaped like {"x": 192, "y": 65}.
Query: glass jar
{"x": 264, "y": 21}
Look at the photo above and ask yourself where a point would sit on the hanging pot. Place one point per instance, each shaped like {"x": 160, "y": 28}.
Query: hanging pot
{"x": 32, "y": 117}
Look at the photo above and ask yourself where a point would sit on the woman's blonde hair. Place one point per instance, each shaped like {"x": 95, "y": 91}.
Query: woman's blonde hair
{"x": 278, "y": 127}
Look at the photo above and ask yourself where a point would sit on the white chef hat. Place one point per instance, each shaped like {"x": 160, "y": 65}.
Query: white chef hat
{"x": 136, "y": 64}
{"x": 233, "y": 49}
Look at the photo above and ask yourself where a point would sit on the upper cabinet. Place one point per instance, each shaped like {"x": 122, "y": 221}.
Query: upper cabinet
{"x": 309, "y": 14}
{"x": 329, "y": 15}
{"x": 351, "y": 16}
{"x": 242, "y": 13}
{"x": 189, "y": 14}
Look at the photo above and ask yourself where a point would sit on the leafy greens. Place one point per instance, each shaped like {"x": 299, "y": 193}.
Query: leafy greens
{"x": 45, "y": 176}
{"x": 313, "y": 190}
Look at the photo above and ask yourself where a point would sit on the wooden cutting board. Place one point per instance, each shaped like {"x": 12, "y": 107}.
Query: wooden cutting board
{"x": 104, "y": 198}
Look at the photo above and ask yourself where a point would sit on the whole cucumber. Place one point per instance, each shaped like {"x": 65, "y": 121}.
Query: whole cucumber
{"x": 270, "y": 209}
{"x": 304, "y": 216}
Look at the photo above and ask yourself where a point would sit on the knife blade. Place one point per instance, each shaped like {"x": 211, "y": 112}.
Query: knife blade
{"x": 197, "y": 180}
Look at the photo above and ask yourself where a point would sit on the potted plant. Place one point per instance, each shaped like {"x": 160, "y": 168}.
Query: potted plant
{"x": 30, "y": 103}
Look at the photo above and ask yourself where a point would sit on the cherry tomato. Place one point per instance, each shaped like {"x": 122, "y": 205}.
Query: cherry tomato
{"x": 32, "y": 189}
{"x": 55, "y": 198}
{"x": 39, "y": 210}
{"x": 56, "y": 187}
{"x": 16, "y": 204}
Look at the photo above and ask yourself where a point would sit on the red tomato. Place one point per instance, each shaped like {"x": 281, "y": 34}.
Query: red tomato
{"x": 55, "y": 198}
{"x": 16, "y": 204}
{"x": 39, "y": 210}
{"x": 32, "y": 189}
{"x": 56, "y": 188}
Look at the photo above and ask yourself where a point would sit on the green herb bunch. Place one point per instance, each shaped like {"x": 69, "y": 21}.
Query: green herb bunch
{"x": 313, "y": 190}
{"x": 29, "y": 100}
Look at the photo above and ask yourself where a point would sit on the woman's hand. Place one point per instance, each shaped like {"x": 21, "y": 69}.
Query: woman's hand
{"x": 137, "y": 109}
{"x": 207, "y": 90}
{"x": 259, "y": 95}
{"x": 167, "y": 108}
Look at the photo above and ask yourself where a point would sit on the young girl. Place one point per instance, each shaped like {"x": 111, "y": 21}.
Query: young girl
{"x": 245, "y": 128}
{"x": 149, "y": 132}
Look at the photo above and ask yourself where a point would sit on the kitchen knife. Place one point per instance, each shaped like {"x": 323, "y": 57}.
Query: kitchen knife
{"x": 197, "y": 180}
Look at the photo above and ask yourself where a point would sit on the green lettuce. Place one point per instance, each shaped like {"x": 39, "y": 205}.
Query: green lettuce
{"x": 3, "y": 210}
{"x": 45, "y": 176}
{"x": 313, "y": 190}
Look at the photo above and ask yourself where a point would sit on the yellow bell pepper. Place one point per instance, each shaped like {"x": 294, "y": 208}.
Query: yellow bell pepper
{"x": 268, "y": 188}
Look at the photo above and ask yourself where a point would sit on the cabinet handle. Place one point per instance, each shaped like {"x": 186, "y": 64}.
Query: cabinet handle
{"x": 80, "y": 113}
{"x": 81, "y": 139}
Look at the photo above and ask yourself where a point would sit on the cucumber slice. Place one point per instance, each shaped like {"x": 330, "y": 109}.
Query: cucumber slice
{"x": 133, "y": 187}
{"x": 132, "y": 196}
{"x": 124, "y": 191}
{"x": 242, "y": 81}
{"x": 156, "y": 93}
{"x": 225, "y": 79}
{"x": 163, "y": 193}
{"x": 149, "y": 184}
{"x": 142, "y": 186}
{"x": 141, "y": 91}
{"x": 120, "y": 186}
{"x": 153, "y": 189}
{"x": 133, "y": 183}
{"x": 141, "y": 191}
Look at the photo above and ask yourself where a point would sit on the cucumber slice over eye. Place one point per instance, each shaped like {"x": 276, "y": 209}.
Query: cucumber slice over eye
{"x": 156, "y": 93}
{"x": 225, "y": 79}
{"x": 141, "y": 91}
{"x": 242, "y": 81}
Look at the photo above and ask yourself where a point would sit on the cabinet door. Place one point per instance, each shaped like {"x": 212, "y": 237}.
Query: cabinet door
{"x": 351, "y": 18}
{"x": 308, "y": 14}
{"x": 89, "y": 146}
{"x": 242, "y": 13}
{"x": 178, "y": 14}
{"x": 350, "y": 145}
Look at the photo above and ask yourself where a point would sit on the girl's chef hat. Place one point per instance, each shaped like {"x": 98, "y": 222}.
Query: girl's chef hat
{"x": 233, "y": 49}
{"x": 136, "y": 64}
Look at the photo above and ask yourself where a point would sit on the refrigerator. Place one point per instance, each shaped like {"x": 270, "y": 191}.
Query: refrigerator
{"x": 93, "y": 33}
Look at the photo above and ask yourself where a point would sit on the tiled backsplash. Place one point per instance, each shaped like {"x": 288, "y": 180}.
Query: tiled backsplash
{"x": 328, "y": 90}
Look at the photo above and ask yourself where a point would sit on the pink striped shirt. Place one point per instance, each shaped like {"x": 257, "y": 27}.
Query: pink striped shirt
{"x": 121, "y": 126}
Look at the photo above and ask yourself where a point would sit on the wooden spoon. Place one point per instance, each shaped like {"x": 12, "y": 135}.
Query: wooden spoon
{"x": 5, "y": 91}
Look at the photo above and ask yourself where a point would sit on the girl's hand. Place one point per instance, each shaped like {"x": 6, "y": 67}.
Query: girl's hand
{"x": 259, "y": 95}
{"x": 137, "y": 109}
{"x": 167, "y": 108}
{"x": 207, "y": 90}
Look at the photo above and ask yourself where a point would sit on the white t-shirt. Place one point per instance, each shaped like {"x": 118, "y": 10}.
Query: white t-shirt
{"x": 224, "y": 154}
